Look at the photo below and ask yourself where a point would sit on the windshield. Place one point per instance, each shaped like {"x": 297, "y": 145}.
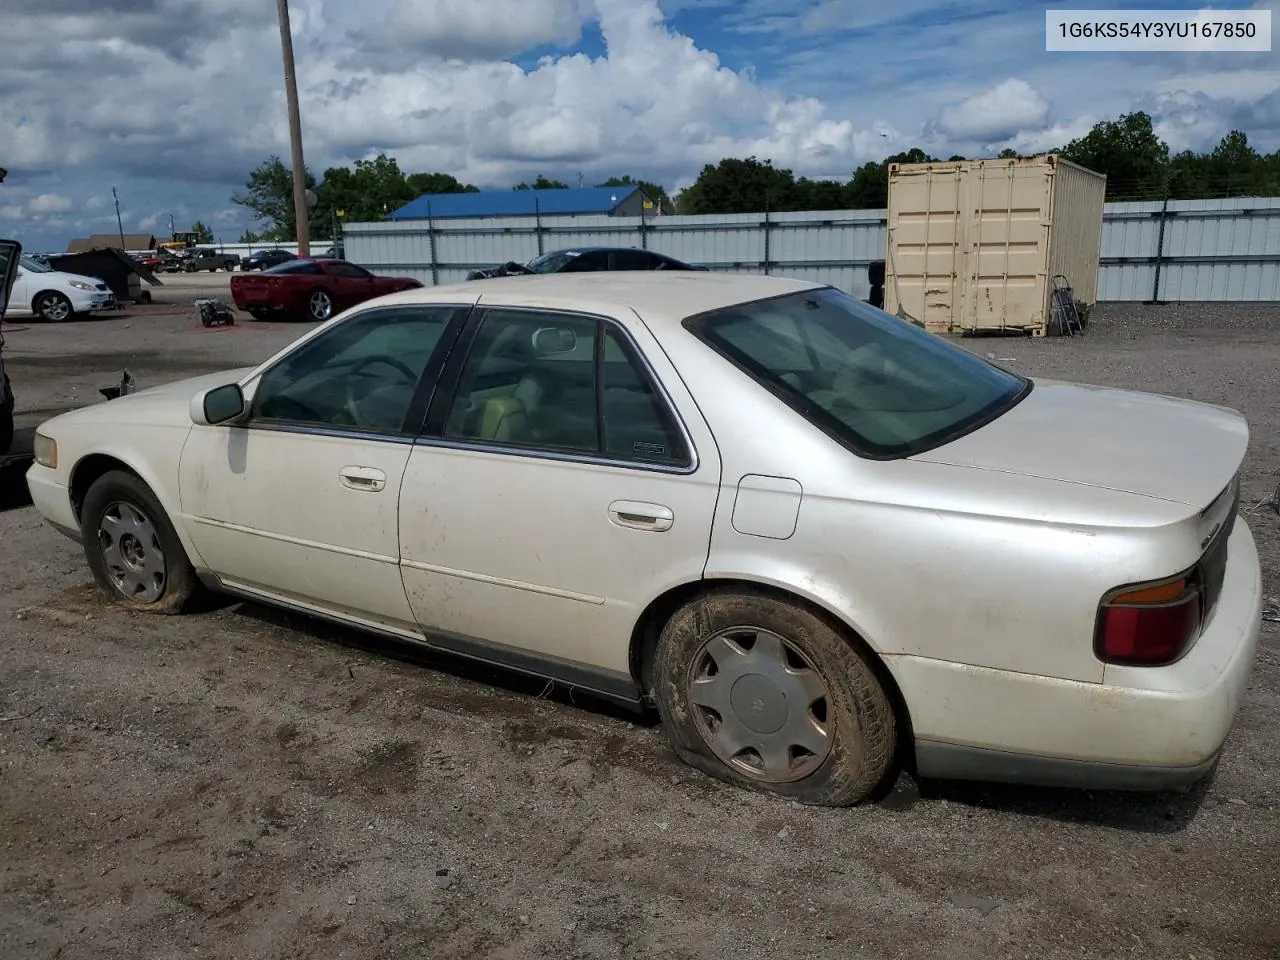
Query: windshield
{"x": 551, "y": 262}
{"x": 877, "y": 384}
{"x": 35, "y": 266}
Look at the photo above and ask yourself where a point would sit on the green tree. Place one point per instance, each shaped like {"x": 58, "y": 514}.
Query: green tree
{"x": 268, "y": 194}
{"x": 1008, "y": 153}
{"x": 421, "y": 184}
{"x": 739, "y": 186}
{"x": 203, "y": 233}
{"x": 655, "y": 192}
{"x": 1128, "y": 151}
{"x": 250, "y": 237}
{"x": 542, "y": 183}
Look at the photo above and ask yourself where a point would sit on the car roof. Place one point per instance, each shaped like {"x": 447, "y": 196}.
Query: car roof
{"x": 662, "y": 296}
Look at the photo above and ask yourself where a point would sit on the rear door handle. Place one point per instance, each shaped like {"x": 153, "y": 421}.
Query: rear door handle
{"x": 641, "y": 516}
{"x": 367, "y": 479}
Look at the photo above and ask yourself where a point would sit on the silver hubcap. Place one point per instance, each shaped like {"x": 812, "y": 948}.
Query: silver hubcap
{"x": 55, "y": 308}
{"x": 760, "y": 705}
{"x": 321, "y": 305}
{"x": 131, "y": 552}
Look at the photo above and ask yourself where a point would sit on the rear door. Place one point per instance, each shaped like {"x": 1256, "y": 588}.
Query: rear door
{"x": 565, "y": 481}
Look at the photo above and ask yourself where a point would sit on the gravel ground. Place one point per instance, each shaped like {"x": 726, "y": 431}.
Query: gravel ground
{"x": 243, "y": 783}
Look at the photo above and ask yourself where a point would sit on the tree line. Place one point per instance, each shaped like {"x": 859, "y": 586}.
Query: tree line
{"x": 1138, "y": 165}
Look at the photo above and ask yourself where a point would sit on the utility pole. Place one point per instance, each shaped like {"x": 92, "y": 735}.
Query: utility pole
{"x": 295, "y": 133}
{"x": 119, "y": 223}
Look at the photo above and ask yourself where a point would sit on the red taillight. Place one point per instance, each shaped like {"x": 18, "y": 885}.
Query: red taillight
{"x": 1149, "y": 625}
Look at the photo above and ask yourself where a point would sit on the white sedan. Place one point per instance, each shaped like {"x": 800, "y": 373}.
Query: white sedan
{"x": 823, "y": 542}
{"x": 55, "y": 296}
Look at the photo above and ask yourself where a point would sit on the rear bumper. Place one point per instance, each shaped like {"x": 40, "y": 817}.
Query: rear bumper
{"x": 1142, "y": 728}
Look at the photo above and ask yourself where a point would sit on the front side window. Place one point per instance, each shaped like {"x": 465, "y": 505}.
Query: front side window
{"x": 633, "y": 260}
{"x": 558, "y": 382}
{"x": 361, "y": 374}
{"x": 879, "y": 385}
{"x": 296, "y": 266}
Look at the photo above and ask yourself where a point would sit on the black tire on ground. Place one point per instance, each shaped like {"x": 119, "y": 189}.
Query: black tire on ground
{"x": 856, "y": 711}
{"x": 875, "y": 273}
{"x": 155, "y": 540}
{"x": 259, "y": 313}
{"x": 213, "y": 269}
{"x": 53, "y": 307}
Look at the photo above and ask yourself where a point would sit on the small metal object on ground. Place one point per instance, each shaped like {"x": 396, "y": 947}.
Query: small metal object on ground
{"x": 215, "y": 313}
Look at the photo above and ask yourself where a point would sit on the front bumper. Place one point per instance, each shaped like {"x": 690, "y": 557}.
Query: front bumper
{"x": 87, "y": 301}
{"x": 1142, "y": 728}
{"x": 52, "y": 500}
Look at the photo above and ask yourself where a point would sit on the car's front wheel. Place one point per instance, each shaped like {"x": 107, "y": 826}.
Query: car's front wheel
{"x": 53, "y": 307}
{"x": 319, "y": 305}
{"x": 132, "y": 548}
{"x": 768, "y": 695}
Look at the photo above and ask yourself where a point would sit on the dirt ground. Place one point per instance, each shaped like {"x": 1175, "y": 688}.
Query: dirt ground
{"x": 243, "y": 783}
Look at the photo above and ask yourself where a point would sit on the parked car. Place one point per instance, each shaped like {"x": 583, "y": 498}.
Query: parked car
{"x": 316, "y": 288}
{"x": 817, "y": 537}
{"x": 211, "y": 260}
{"x": 10, "y": 252}
{"x": 265, "y": 259}
{"x": 585, "y": 260}
{"x": 160, "y": 261}
{"x": 55, "y": 296}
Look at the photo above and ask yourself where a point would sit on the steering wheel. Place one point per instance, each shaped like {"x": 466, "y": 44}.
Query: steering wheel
{"x": 351, "y": 405}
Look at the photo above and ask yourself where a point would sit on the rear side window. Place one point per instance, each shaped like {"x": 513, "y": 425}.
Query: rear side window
{"x": 296, "y": 266}
{"x": 562, "y": 382}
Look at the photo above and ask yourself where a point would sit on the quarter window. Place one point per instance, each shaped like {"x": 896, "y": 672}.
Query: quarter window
{"x": 566, "y": 383}
{"x": 362, "y": 374}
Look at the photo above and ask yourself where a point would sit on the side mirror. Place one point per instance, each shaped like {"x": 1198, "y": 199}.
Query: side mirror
{"x": 551, "y": 340}
{"x": 219, "y": 405}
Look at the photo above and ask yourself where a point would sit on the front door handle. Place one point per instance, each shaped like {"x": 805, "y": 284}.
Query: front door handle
{"x": 641, "y": 516}
{"x": 367, "y": 479}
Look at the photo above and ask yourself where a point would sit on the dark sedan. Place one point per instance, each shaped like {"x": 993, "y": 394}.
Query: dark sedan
{"x": 586, "y": 260}
{"x": 266, "y": 259}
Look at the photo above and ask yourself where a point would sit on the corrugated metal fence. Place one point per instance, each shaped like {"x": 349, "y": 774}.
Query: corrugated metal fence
{"x": 1184, "y": 250}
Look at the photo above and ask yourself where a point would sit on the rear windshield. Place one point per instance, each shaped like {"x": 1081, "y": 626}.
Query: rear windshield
{"x": 879, "y": 385}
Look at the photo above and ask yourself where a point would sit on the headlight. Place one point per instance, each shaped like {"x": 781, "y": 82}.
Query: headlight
{"x": 46, "y": 451}
{"x": 80, "y": 285}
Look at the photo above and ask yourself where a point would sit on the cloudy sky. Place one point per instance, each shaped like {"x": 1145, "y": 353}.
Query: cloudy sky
{"x": 174, "y": 101}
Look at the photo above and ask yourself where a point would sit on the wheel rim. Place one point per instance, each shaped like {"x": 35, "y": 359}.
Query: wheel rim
{"x": 54, "y": 307}
{"x": 131, "y": 552}
{"x": 321, "y": 305}
{"x": 760, "y": 705}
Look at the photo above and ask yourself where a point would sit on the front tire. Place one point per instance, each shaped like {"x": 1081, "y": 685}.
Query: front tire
{"x": 53, "y": 307}
{"x": 767, "y": 695}
{"x": 319, "y": 305}
{"x": 132, "y": 548}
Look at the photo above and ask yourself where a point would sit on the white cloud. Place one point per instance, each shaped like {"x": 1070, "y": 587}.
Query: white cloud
{"x": 49, "y": 203}
{"x": 998, "y": 113}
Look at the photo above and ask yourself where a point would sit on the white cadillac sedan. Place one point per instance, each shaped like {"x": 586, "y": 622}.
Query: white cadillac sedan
{"x": 821, "y": 541}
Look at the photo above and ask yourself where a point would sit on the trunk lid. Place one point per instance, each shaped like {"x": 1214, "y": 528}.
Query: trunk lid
{"x": 1155, "y": 446}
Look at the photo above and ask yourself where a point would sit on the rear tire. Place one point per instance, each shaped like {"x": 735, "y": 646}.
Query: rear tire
{"x": 768, "y": 695}
{"x": 132, "y": 548}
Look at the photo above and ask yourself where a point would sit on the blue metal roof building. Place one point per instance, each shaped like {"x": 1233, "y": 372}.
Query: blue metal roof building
{"x": 628, "y": 201}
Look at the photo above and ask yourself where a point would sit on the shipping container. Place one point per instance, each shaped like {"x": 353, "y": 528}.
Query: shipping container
{"x": 974, "y": 245}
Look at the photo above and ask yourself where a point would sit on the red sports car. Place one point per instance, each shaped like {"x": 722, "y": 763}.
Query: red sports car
{"x": 316, "y": 287}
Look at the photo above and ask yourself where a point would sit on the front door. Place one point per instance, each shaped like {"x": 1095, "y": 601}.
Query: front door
{"x": 299, "y": 502}
{"x": 556, "y": 493}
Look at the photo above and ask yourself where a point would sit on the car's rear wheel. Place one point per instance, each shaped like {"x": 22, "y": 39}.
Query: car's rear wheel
{"x": 766, "y": 694}
{"x": 319, "y": 305}
{"x": 259, "y": 313}
{"x": 53, "y": 307}
{"x": 132, "y": 548}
